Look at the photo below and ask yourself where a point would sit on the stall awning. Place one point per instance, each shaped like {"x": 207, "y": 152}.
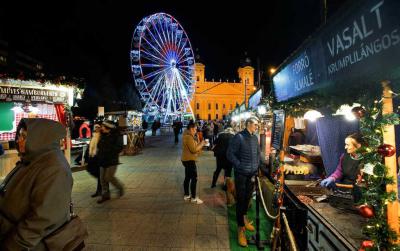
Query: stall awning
{"x": 357, "y": 48}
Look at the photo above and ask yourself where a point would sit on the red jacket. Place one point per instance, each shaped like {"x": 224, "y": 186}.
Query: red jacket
{"x": 88, "y": 131}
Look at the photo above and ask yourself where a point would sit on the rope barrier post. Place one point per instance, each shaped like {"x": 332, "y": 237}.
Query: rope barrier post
{"x": 256, "y": 239}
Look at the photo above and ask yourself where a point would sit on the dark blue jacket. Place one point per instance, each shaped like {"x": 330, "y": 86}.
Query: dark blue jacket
{"x": 244, "y": 153}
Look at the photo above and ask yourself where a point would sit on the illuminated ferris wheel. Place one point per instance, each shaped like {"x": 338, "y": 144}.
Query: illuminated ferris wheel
{"x": 162, "y": 65}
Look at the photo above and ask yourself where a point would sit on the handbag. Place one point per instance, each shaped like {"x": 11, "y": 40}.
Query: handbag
{"x": 70, "y": 236}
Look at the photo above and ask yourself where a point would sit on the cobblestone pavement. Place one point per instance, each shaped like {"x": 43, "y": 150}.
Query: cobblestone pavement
{"x": 152, "y": 215}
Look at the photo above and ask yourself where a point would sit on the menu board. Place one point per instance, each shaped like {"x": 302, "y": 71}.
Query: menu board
{"x": 278, "y": 129}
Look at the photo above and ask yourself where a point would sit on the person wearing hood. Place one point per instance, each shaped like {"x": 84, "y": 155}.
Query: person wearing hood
{"x": 35, "y": 197}
{"x": 190, "y": 149}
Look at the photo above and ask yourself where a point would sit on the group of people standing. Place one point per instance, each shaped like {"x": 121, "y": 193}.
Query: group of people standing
{"x": 239, "y": 151}
{"x": 210, "y": 130}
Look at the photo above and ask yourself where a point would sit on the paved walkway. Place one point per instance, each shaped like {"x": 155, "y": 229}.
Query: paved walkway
{"x": 152, "y": 215}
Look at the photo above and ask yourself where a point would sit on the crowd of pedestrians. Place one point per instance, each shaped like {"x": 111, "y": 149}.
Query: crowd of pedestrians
{"x": 46, "y": 193}
{"x": 240, "y": 152}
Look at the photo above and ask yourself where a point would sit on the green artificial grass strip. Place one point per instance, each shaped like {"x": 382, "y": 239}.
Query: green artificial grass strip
{"x": 265, "y": 227}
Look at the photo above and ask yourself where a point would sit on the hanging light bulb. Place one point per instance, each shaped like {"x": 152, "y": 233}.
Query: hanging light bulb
{"x": 33, "y": 109}
{"x": 17, "y": 109}
{"x": 262, "y": 110}
{"x": 312, "y": 115}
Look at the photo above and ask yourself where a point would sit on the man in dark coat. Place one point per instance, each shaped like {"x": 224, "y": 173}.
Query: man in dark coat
{"x": 177, "y": 127}
{"x": 109, "y": 147}
{"x": 220, "y": 148}
{"x": 244, "y": 153}
{"x": 35, "y": 196}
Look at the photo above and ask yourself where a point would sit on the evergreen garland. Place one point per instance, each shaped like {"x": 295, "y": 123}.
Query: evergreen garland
{"x": 374, "y": 193}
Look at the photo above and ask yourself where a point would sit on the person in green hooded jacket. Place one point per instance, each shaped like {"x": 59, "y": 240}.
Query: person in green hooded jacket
{"x": 35, "y": 197}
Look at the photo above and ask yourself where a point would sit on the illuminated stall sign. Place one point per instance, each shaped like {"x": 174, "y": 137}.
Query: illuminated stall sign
{"x": 17, "y": 94}
{"x": 278, "y": 129}
{"x": 255, "y": 99}
{"x": 360, "y": 46}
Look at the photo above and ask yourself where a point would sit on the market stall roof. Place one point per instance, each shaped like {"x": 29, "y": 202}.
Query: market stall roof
{"x": 15, "y": 90}
{"x": 254, "y": 100}
{"x": 122, "y": 112}
{"x": 357, "y": 48}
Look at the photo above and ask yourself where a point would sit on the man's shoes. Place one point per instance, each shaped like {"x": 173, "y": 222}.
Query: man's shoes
{"x": 186, "y": 197}
{"x": 196, "y": 201}
{"x": 96, "y": 194}
{"x": 249, "y": 226}
{"x": 213, "y": 185}
{"x": 242, "y": 237}
{"x": 103, "y": 199}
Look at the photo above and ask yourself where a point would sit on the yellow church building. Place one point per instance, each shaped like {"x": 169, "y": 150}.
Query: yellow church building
{"x": 215, "y": 100}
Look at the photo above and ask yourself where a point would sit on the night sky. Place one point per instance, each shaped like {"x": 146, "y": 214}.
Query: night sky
{"x": 92, "y": 39}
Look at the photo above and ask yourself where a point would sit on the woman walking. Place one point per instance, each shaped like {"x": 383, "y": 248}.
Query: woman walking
{"x": 93, "y": 162}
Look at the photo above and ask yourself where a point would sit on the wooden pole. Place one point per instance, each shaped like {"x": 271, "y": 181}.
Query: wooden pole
{"x": 390, "y": 162}
{"x": 67, "y": 150}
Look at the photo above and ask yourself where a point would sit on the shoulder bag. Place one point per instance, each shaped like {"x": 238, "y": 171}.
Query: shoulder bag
{"x": 68, "y": 237}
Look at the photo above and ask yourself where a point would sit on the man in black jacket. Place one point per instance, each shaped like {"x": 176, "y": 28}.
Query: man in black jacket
{"x": 244, "y": 153}
{"x": 220, "y": 149}
{"x": 109, "y": 147}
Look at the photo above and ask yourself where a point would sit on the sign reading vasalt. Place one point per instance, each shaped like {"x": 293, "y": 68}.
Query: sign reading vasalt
{"x": 357, "y": 48}
{"x": 11, "y": 94}
{"x": 365, "y": 43}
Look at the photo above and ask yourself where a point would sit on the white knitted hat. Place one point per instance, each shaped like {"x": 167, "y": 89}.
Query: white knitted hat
{"x": 108, "y": 124}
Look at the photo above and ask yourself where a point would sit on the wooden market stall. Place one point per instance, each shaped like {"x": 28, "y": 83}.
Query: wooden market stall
{"x": 353, "y": 60}
{"x": 130, "y": 124}
{"x": 30, "y": 99}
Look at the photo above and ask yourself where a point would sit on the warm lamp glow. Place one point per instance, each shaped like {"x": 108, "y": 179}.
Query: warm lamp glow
{"x": 312, "y": 115}
{"x": 272, "y": 70}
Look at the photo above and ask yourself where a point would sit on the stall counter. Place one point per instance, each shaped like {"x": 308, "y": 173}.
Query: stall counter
{"x": 7, "y": 162}
{"x": 332, "y": 228}
{"x": 318, "y": 225}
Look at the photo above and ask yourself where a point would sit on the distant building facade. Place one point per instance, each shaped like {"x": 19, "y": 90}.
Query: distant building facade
{"x": 215, "y": 100}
